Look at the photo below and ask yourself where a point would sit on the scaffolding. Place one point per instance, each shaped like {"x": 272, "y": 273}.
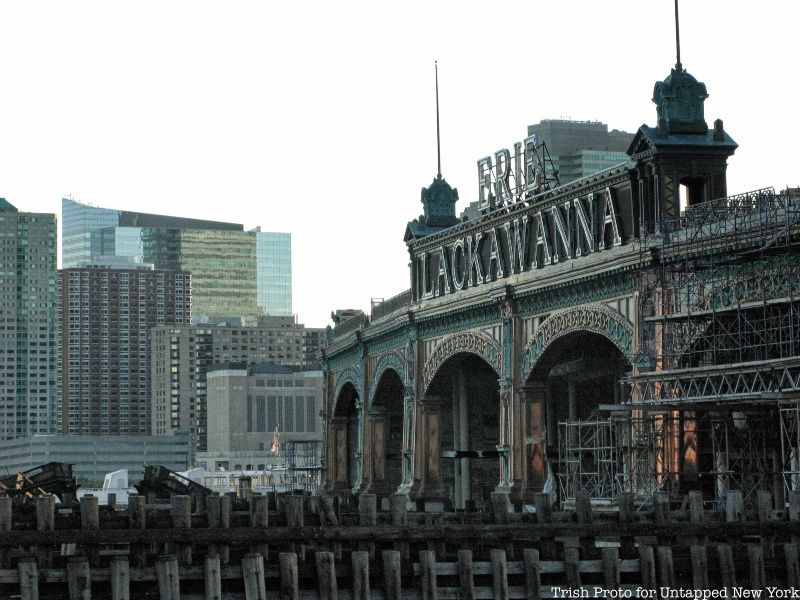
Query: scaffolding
{"x": 588, "y": 460}
{"x": 719, "y": 284}
{"x": 303, "y": 465}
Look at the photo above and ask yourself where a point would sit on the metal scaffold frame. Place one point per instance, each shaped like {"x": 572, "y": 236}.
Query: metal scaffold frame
{"x": 790, "y": 446}
{"x": 723, "y": 284}
{"x": 741, "y": 455}
{"x": 588, "y": 460}
{"x": 303, "y": 465}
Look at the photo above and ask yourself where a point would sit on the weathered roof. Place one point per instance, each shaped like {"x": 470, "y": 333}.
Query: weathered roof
{"x": 6, "y": 206}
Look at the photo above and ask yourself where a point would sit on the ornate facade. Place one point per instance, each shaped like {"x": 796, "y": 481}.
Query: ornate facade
{"x": 569, "y": 338}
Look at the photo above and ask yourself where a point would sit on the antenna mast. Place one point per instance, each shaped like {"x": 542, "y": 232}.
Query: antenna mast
{"x": 438, "y": 143}
{"x": 677, "y": 36}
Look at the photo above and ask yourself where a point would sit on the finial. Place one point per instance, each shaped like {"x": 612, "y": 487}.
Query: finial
{"x": 438, "y": 143}
{"x": 677, "y": 38}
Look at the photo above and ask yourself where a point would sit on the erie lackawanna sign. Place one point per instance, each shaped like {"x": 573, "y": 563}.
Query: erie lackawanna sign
{"x": 573, "y": 226}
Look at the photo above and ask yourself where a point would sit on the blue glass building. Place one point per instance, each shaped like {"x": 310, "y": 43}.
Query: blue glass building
{"x": 235, "y": 273}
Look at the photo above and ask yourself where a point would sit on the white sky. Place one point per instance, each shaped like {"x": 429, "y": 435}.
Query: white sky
{"x": 318, "y": 117}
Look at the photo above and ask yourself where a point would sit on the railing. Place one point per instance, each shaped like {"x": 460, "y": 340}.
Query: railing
{"x": 350, "y": 324}
{"x": 393, "y": 304}
{"x": 305, "y": 546}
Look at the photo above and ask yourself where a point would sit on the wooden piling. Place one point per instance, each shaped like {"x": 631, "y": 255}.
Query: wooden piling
{"x": 727, "y": 568}
{"x": 755, "y": 559}
{"x": 368, "y": 510}
{"x": 499, "y": 574}
{"x": 169, "y": 586}
{"x": 326, "y": 576}
{"x": 225, "y": 509}
{"x": 181, "y": 510}
{"x": 79, "y": 580}
{"x": 533, "y": 574}
{"x": 398, "y": 506}
{"x": 572, "y": 574}
{"x": 45, "y": 513}
{"x": 500, "y": 506}
{"x": 90, "y": 513}
{"x": 696, "y": 514}
{"x": 699, "y": 567}
{"x": 392, "y": 587}
{"x": 427, "y": 571}
{"x": 583, "y": 508}
{"x": 794, "y": 505}
{"x": 6, "y": 518}
{"x": 259, "y": 518}
{"x": 213, "y": 577}
{"x": 120, "y": 576}
{"x": 360, "y": 561}
{"x": 541, "y": 502}
{"x": 28, "y": 579}
{"x": 647, "y": 567}
{"x": 661, "y": 508}
{"x": 466, "y": 575}
{"x": 790, "y": 555}
{"x": 253, "y": 573}
{"x": 734, "y": 506}
{"x": 627, "y": 511}
{"x": 666, "y": 570}
{"x": 290, "y": 589}
{"x": 610, "y": 564}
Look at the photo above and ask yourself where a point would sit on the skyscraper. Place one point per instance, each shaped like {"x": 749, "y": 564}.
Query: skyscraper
{"x": 27, "y": 322}
{"x": 235, "y": 273}
{"x": 105, "y": 316}
{"x": 580, "y": 148}
{"x": 274, "y": 252}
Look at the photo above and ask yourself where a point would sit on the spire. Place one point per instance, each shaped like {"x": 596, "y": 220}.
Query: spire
{"x": 679, "y": 98}
{"x": 677, "y": 38}
{"x": 438, "y": 143}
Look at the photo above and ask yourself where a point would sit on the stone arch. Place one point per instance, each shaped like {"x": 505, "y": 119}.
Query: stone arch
{"x": 390, "y": 360}
{"x": 351, "y": 375}
{"x": 472, "y": 342}
{"x": 596, "y": 319}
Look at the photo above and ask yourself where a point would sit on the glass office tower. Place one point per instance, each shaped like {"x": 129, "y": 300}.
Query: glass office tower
{"x": 235, "y": 273}
{"x": 274, "y": 272}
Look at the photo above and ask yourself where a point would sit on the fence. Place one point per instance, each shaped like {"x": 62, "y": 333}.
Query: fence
{"x": 293, "y": 546}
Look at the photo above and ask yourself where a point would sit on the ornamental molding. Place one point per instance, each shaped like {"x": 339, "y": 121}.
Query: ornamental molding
{"x": 472, "y": 342}
{"x": 596, "y": 319}
{"x": 351, "y": 375}
{"x": 390, "y": 360}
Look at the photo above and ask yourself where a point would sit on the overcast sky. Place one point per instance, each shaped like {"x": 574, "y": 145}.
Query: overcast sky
{"x": 318, "y": 118}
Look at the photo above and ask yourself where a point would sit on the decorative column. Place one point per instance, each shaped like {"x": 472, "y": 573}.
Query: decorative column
{"x": 408, "y": 443}
{"x": 531, "y": 400}
{"x": 504, "y": 447}
{"x": 429, "y": 413}
{"x": 378, "y": 483}
{"x": 339, "y": 461}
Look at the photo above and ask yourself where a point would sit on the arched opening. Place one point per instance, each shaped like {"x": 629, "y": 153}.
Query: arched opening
{"x": 386, "y": 416}
{"x": 692, "y": 191}
{"x": 576, "y": 374}
{"x": 469, "y": 392}
{"x": 346, "y": 425}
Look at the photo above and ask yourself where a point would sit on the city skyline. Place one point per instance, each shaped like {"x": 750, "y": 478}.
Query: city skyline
{"x": 214, "y": 127}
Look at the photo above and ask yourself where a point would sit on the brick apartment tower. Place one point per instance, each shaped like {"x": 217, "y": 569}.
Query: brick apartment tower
{"x": 106, "y": 315}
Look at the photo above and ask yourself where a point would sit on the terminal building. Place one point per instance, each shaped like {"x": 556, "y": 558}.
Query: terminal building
{"x": 632, "y": 330}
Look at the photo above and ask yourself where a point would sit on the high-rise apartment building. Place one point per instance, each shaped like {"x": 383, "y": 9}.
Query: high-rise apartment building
{"x": 235, "y": 273}
{"x": 27, "y": 322}
{"x": 105, "y": 317}
{"x": 181, "y": 357}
